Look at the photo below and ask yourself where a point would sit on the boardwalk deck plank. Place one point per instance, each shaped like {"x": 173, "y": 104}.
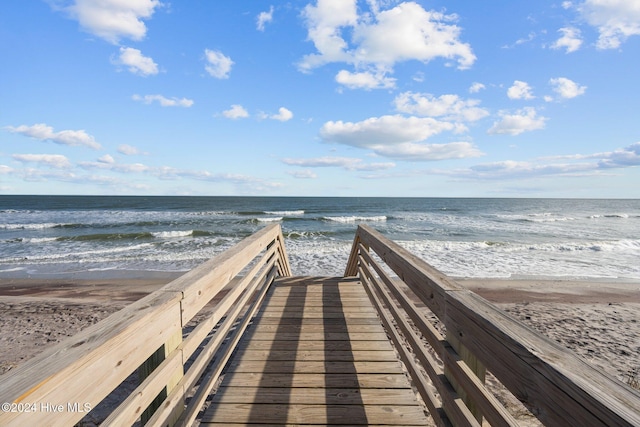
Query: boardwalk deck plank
{"x": 316, "y": 353}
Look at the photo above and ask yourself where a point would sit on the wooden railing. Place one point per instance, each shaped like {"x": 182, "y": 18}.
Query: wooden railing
{"x": 149, "y": 336}
{"x": 559, "y": 388}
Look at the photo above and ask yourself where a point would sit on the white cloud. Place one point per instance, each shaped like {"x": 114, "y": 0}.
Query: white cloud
{"x": 4, "y": 170}
{"x": 567, "y": 5}
{"x": 324, "y": 24}
{"x": 616, "y": 20}
{"x": 449, "y": 107}
{"x": 348, "y": 163}
{"x": 365, "y": 80}
{"x": 109, "y": 163}
{"x": 409, "y": 32}
{"x": 566, "y": 88}
{"x": 218, "y": 65}
{"x": 409, "y": 151}
{"x": 44, "y": 132}
{"x": 303, "y": 174}
{"x": 520, "y": 90}
{"x": 380, "y": 39}
{"x": 283, "y": 115}
{"x": 107, "y": 159}
{"x": 510, "y": 169}
{"x": 57, "y": 161}
{"x": 264, "y": 18}
{"x": 382, "y": 130}
{"x": 128, "y": 150}
{"x": 112, "y": 20}
{"x": 398, "y": 137}
{"x": 476, "y": 87}
{"x": 236, "y": 112}
{"x": 524, "y": 120}
{"x": 136, "y": 62}
{"x": 571, "y": 40}
{"x": 625, "y": 157}
{"x": 163, "y": 101}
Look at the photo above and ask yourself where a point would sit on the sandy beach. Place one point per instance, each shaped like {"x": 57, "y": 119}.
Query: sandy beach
{"x": 600, "y": 321}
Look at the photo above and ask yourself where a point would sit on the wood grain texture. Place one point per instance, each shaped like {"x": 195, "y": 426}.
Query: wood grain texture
{"x": 316, "y": 353}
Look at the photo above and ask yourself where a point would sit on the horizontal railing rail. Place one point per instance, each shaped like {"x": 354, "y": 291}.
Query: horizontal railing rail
{"x": 559, "y": 388}
{"x": 150, "y": 337}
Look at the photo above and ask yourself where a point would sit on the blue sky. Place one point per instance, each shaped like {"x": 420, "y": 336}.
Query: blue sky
{"x": 320, "y": 98}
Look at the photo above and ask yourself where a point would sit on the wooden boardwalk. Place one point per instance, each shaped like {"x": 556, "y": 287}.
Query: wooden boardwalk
{"x": 316, "y": 354}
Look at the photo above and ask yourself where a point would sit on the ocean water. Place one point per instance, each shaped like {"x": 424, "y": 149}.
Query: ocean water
{"x": 85, "y": 236}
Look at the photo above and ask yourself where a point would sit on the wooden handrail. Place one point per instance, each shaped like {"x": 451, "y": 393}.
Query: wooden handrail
{"x": 561, "y": 388}
{"x": 58, "y": 386}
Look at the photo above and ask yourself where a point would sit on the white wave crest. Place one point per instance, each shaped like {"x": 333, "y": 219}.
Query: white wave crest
{"x": 273, "y": 219}
{"x": 285, "y": 213}
{"x": 172, "y": 234}
{"x": 348, "y": 219}
{"x": 39, "y": 240}
{"x": 29, "y": 226}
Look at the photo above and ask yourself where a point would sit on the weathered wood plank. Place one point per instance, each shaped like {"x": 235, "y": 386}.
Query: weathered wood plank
{"x": 314, "y": 367}
{"x": 311, "y": 345}
{"x": 318, "y": 355}
{"x": 305, "y": 328}
{"x": 322, "y": 312}
{"x": 328, "y": 380}
{"x": 564, "y": 388}
{"x": 325, "y": 414}
{"x": 316, "y": 321}
{"x": 201, "y": 284}
{"x": 315, "y": 396}
{"x": 320, "y": 336}
{"x": 104, "y": 354}
{"x": 320, "y": 315}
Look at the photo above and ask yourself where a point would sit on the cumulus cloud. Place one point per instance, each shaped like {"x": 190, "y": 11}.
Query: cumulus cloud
{"x": 625, "y": 157}
{"x": 218, "y": 65}
{"x": 164, "y": 101}
{"x": 616, "y": 20}
{"x": 476, "y": 87}
{"x": 128, "y": 150}
{"x": 566, "y": 88}
{"x": 108, "y": 163}
{"x": 283, "y": 115}
{"x": 302, "y": 174}
{"x": 398, "y": 137}
{"x": 570, "y": 165}
{"x": 107, "y": 159}
{"x": 136, "y": 62}
{"x": 348, "y": 163}
{"x": 409, "y": 151}
{"x": 520, "y": 90}
{"x": 264, "y": 18}
{"x": 382, "y": 130}
{"x": 57, "y": 161}
{"x": 409, "y": 32}
{"x": 44, "y": 132}
{"x": 365, "y": 80}
{"x": 113, "y": 20}
{"x": 236, "y": 112}
{"x": 571, "y": 40}
{"x": 524, "y": 120}
{"x": 380, "y": 39}
{"x": 448, "y": 107}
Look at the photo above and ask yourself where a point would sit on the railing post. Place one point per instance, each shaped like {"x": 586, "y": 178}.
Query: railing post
{"x": 150, "y": 365}
{"x": 474, "y": 364}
